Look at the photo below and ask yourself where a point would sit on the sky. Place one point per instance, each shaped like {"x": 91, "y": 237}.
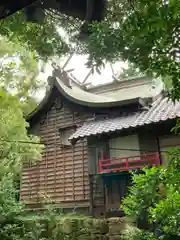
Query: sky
{"x": 77, "y": 63}
{"x": 80, "y": 70}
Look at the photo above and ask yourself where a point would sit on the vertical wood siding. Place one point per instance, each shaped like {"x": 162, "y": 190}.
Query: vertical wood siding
{"x": 62, "y": 174}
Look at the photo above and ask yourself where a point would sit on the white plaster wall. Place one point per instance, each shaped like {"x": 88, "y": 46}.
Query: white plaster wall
{"x": 124, "y": 143}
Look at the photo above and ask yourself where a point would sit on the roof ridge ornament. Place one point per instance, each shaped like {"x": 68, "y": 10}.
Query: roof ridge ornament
{"x": 60, "y": 73}
{"x": 50, "y": 81}
{"x": 67, "y": 77}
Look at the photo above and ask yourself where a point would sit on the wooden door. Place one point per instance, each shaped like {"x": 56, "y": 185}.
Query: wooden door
{"x": 116, "y": 188}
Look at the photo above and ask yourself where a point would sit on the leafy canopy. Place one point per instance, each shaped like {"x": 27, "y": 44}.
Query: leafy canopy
{"x": 145, "y": 33}
{"x": 20, "y": 73}
{"x": 43, "y": 39}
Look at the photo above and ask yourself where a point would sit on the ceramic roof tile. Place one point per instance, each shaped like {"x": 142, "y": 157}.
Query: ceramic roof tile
{"x": 161, "y": 110}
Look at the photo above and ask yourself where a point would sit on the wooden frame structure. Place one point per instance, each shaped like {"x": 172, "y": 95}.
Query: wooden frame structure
{"x": 75, "y": 176}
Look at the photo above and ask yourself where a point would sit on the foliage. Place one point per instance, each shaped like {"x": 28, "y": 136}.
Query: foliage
{"x": 16, "y": 148}
{"x": 13, "y": 128}
{"x": 137, "y": 234}
{"x": 43, "y": 39}
{"x": 130, "y": 71}
{"x": 143, "y": 32}
{"x": 144, "y": 235}
{"x": 53, "y": 225}
{"x": 167, "y": 211}
{"x": 130, "y": 233}
{"x": 154, "y": 198}
{"x": 19, "y": 73}
{"x": 138, "y": 202}
{"x": 10, "y": 208}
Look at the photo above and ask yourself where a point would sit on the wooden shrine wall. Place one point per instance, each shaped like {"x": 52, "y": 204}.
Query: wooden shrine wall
{"x": 62, "y": 174}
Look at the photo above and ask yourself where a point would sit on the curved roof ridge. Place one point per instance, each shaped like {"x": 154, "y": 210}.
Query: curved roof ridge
{"x": 82, "y": 97}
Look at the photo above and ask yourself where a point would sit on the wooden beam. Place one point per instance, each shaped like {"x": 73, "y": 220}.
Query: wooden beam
{"x": 91, "y": 207}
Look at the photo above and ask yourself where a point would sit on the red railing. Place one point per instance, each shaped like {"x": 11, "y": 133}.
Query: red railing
{"x": 128, "y": 163}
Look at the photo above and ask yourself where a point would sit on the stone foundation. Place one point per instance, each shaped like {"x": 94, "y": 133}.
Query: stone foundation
{"x": 91, "y": 229}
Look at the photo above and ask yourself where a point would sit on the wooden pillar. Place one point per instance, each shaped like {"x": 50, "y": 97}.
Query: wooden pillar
{"x": 159, "y": 149}
{"x": 105, "y": 195}
{"x": 91, "y": 207}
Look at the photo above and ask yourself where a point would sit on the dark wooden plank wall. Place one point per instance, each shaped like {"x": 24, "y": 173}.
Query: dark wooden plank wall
{"x": 62, "y": 174}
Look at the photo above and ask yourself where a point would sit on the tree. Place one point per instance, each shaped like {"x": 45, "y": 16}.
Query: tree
{"x": 16, "y": 148}
{"x": 43, "y": 39}
{"x": 19, "y": 73}
{"x": 154, "y": 199}
{"x": 13, "y": 128}
{"x": 143, "y": 32}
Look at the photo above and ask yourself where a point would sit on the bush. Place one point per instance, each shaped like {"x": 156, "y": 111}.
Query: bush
{"x": 154, "y": 200}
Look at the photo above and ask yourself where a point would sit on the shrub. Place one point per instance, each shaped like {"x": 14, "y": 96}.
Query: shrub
{"x": 154, "y": 199}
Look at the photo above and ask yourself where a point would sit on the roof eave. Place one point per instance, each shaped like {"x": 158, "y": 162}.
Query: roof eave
{"x": 40, "y": 106}
{"x": 97, "y": 104}
{"x": 54, "y": 83}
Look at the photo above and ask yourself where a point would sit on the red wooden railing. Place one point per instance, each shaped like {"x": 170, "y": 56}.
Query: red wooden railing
{"x": 128, "y": 163}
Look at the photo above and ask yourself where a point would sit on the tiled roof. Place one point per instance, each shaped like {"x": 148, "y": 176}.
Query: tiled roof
{"x": 161, "y": 110}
